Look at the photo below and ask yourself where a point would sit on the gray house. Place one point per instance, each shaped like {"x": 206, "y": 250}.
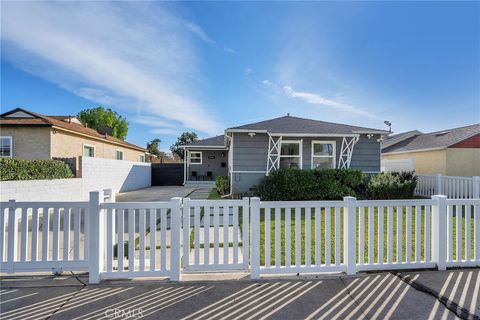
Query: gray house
{"x": 250, "y": 152}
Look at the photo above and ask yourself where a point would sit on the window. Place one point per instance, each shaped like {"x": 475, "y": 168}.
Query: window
{"x": 119, "y": 154}
{"x": 88, "y": 151}
{"x": 323, "y": 154}
{"x": 6, "y": 146}
{"x": 291, "y": 154}
{"x": 142, "y": 158}
{"x": 195, "y": 157}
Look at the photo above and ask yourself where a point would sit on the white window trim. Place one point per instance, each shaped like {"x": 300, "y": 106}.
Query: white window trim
{"x": 11, "y": 146}
{"x": 334, "y": 143}
{"x": 140, "y": 158}
{"x": 119, "y": 150}
{"x": 300, "y": 151}
{"x": 91, "y": 146}
{"x": 190, "y": 157}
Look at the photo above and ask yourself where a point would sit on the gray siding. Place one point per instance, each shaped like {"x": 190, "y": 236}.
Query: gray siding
{"x": 366, "y": 154}
{"x": 251, "y": 153}
{"x": 214, "y": 165}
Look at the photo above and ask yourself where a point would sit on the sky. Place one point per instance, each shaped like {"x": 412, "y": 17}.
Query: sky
{"x": 171, "y": 67}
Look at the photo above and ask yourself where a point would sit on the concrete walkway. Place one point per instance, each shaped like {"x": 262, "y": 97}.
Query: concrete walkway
{"x": 157, "y": 193}
{"x": 454, "y": 295}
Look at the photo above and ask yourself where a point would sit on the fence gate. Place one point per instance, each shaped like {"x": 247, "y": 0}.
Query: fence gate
{"x": 215, "y": 235}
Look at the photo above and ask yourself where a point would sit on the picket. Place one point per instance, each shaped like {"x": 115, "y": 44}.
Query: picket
{"x": 115, "y": 240}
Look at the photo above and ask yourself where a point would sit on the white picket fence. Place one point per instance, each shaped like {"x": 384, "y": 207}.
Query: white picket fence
{"x": 452, "y": 187}
{"x": 114, "y": 240}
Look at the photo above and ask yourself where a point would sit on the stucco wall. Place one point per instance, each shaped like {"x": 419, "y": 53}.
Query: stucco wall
{"x": 29, "y": 143}
{"x": 98, "y": 174}
{"x": 463, "y": 162}
{"x": 426, "y": 162}
{"x": 66, "y": 144}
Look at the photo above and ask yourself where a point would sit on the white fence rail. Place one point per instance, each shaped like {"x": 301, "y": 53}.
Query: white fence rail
{"x": 228, "y": 222}
{"x": 451, "y": 187}
{"x": 42, "y": 236}
{"x": 125, "y": 240}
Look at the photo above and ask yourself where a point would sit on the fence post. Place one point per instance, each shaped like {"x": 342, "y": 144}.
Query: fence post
{"x": 350, "y": 234}
{"x": 12, "y": 235}
{"x": 94, "y": 233}
{"x": 439, "y": 231}
{"x": 476, "y": 187}
{"x": 175, "y": 233}
{"x": 255, "y": 254}
{"x": 438, "y": 184}
{"x": 246, "y": 231}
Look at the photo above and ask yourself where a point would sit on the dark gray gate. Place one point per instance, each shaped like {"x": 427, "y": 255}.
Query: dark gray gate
{"x": 167, "y": 174}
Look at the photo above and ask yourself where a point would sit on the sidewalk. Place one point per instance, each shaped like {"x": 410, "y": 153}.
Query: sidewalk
{"x": 364, "y": 296}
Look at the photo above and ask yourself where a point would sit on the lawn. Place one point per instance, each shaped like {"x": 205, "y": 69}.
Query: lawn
{"x": 338, "y": 247}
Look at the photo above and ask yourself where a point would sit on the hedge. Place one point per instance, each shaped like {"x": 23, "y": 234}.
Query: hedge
{"x": 222, "y": 184}
{"x": 334, "y": 184}
{"x": 295, "y": 184}
{"x": 16, "y": 169}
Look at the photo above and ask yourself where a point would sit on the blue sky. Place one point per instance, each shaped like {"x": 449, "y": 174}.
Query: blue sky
{"x": 205, "y": 66}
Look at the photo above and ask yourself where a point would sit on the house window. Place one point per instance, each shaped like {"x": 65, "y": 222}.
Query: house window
{"x": 119, "y": 154}
{"x": 291, "y": 154}
{"x": 323, "y": 154}
{"x": 142, "y": 158}
{"x": 6, "y": 146}
{"x": 195, "y": 157}
{"x": 88, "y": 151}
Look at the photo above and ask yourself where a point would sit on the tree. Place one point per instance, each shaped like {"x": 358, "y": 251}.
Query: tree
{"x": 153, "y": 147}
{"x": 185, "y": 138}
{"x": 101, "y": 117}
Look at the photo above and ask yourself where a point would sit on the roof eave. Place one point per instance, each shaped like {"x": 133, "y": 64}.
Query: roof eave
{"x": 414, "y": 150}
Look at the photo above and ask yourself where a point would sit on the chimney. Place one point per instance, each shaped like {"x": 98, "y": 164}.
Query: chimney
{"x": 69, "y": 119}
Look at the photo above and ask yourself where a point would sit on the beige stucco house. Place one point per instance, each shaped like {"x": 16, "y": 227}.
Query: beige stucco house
{"x": 452, "y": 152}
{"x": 28, "y": 135}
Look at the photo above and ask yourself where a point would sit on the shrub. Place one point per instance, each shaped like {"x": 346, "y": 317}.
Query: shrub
{"x": 296, "y": 184}
{"x": 222, "y": 183}
{"x": 16, "y": 169}
{"x": 392, "y": 185}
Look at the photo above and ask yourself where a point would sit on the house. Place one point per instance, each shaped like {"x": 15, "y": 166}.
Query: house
{"x": 28, "y": 135}
{"x": 250, "y": 152}
{"x": 452, "y": 152}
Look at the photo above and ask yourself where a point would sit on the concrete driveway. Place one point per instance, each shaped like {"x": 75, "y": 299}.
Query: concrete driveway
{"x": 444, "y": 295}
{"x": 157, "y": 193}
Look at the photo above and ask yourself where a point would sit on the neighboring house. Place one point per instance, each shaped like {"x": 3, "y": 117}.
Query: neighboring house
{"x": 29, "y": 135}
{"x": 247, "y": 153}
{"x": 453, "y": 152}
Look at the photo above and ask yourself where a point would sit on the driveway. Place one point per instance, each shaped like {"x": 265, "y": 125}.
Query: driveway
{"x": 157, "y": 193}
{"x": 383, "y": 295}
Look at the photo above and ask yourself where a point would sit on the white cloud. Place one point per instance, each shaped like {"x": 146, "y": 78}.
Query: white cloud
{"x": 199, "y": 32}
{"x": 249, "y": 71}
{"x": 316, "y": 99}
{"x": 267, "y": 82}
{"x": 103, "y": 52}
{"x": 229, "y": 50}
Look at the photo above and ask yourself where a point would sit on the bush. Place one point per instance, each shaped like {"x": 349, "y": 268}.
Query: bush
{"x": 222, "y": 183}
{"x": 296, "y": 184}
{"x": 16, "y": 169}
{"x": 392, "y": 185}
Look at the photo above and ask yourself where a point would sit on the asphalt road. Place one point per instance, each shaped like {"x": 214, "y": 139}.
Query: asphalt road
{"x": 408, "y": 295}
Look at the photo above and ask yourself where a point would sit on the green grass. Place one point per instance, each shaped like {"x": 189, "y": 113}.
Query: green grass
{"x": 214, "y": 195}
{"x": 366, "y": 236}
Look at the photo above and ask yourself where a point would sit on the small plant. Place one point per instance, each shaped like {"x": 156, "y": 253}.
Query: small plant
{"x": 392, "y": 185}
{"x": 17, "y": 169}
{"x": 222, "y": 184}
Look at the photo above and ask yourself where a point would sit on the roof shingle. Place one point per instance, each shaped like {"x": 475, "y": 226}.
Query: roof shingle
{"x": 434, "y": 140}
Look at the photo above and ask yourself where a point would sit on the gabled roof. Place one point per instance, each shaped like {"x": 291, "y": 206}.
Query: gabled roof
{"x": 293, "y": 125}
{"x": 217, "y": 141}
{"x": 395, "y": 138}
{"x": 435, "y": 140}
{"x": 22, "y": 117}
